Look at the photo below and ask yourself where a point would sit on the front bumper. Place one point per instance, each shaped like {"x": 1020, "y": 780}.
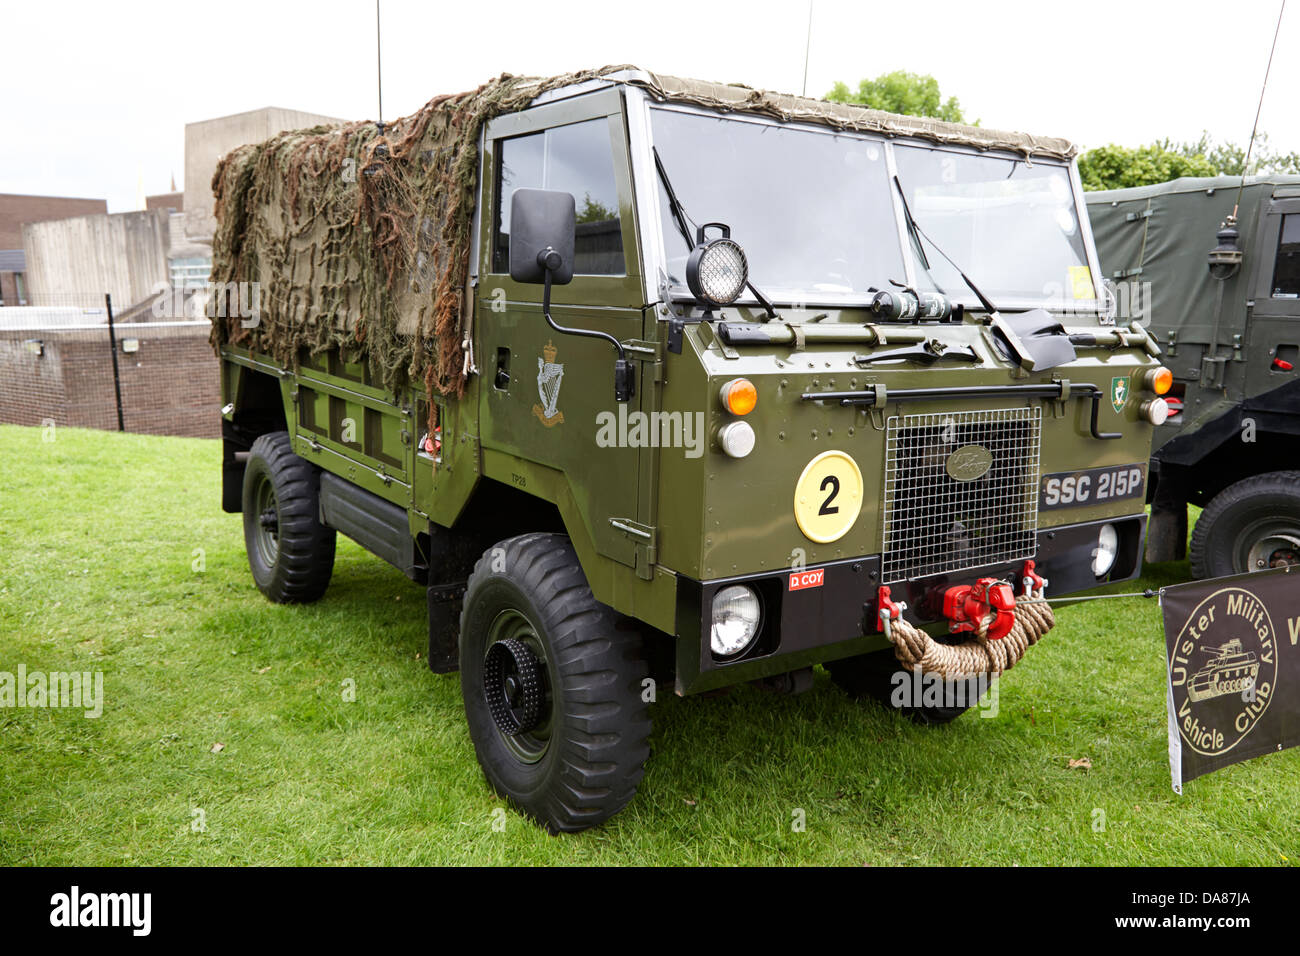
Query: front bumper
{"x": 837, "y": 618}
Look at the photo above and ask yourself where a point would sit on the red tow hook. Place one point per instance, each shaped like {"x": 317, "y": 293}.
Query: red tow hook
{"x": 1031, "y": 581}
{"x": 965, "y": 606}
{"x": 888, "y": 610}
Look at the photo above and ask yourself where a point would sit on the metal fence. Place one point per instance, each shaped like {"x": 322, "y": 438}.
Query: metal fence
{"x": 83, "y": 360}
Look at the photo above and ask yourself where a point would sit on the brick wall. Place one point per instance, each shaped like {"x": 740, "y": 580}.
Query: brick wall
{"x": 8, "y": 288}
{"x": 16, "y": 210}
{"x": 170, "y": 386}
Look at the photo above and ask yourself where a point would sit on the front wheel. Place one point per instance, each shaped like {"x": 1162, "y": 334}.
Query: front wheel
{"x": 553, "y": 689}
{"x": 1252, "y": 525}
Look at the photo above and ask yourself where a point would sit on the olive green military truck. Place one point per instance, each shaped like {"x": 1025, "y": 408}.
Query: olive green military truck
{"x": 1223, "y": 299}
{"x": 658, "y": 385}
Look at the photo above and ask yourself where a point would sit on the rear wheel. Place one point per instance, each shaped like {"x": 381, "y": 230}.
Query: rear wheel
{"x": 872, "y": 676}
{"x": 1253, "y": 525}
{"x": 290, "y": 553}
{"x": 552, "y": 687}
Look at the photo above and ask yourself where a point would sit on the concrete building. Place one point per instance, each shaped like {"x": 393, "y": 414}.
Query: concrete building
{"x": 56, "y": 361}
{"x": 129, "y": 255}
{"x": 15, "y": 210}
{"x": 123, "y": 254}
{"x": 207, "y": 141}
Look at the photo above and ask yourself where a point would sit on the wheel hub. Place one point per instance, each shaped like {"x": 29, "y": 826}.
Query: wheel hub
{"x": 512, "y": 683}
{"x": 1276, "y": 550}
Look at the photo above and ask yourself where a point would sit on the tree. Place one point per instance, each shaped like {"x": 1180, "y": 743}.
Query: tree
{"x": 1230, "y": 159}
{"x": 1118, "y": 167}
{"x": 594, "y": 211}
{"x": 913, "y": 94}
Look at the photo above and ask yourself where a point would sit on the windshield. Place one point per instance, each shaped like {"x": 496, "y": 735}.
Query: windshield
{"x": 816, "y": 214}
{"x": 812, "y": 210}
{"x": 1013, "y": 227}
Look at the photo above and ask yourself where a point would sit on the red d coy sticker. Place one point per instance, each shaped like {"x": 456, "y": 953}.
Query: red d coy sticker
{"x": 807, "y": 579}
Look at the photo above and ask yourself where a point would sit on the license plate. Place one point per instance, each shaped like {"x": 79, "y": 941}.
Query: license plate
{"x": 1093, "y": 486}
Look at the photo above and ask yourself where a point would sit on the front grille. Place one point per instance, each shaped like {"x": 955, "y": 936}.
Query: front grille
{"x": 935, "y": 522}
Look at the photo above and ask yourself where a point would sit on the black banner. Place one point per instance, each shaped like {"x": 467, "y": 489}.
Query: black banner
{"x": 120, "y": 907}
{"x": 1234, "y": 669}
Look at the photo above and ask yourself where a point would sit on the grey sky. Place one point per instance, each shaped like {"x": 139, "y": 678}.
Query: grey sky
{"x": 97, "y": 94}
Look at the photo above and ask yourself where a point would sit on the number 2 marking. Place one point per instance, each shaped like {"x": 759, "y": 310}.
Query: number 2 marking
{"x": 827, "y": 508}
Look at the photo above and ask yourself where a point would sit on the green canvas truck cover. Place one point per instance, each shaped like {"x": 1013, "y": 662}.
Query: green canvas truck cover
{"x": 1142, "y": 235}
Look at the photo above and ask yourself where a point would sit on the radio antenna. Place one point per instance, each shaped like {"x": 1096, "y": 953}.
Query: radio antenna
{"x": 379, "y": 68}
{"x": 807, "y": 46}
{"x": 1250, "y": 148}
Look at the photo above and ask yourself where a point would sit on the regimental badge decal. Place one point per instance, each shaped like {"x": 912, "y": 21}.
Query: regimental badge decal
{"x": 1119, "y": 392}
{"x": 1223, "y": 670}
{"x": 549, "y": 375}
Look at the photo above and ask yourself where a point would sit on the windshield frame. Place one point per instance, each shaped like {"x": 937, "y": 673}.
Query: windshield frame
{"x": 650, "y": 214}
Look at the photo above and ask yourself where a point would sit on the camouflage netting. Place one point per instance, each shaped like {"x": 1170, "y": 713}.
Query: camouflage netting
{"x": 359, "y": 236}
{"x": 732, "y": 97}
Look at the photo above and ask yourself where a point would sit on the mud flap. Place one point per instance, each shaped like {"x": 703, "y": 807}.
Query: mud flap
{"x": 1167, "y": 533}
{"x": 444, "y": 626}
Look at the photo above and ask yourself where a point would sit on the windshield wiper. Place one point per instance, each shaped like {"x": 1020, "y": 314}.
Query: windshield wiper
{"x": 680, "y": 218}
{"x": 674, "y": 204}
{"x": 915, "y": 229}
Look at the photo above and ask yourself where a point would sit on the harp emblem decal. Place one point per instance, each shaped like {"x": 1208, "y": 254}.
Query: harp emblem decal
{"x": 549, "y": 375}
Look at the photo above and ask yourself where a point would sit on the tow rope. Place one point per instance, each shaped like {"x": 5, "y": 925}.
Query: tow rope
{"x": 1002, "y": 626}
{"x": 981, "y": 654}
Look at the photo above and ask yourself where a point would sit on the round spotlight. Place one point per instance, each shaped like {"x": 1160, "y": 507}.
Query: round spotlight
{"x": 1103, "y": 556}
{"x": 737, "y": 439}
{"x": 717, "y": 270}
{"x": 1155, "y": 410}
{"x": 1159, "y": 380}
{"x": 736, "y": 616}
{"x": 739, "y": 396}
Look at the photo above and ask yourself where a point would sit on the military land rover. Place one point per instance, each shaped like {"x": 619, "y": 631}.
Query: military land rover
{"x": 655, "y": 383}
{"x": 1223, "y": 299}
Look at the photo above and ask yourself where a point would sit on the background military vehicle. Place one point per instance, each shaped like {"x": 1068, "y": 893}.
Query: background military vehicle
{"x": 662, "y": 383}
{"x": 1223, "y": 300}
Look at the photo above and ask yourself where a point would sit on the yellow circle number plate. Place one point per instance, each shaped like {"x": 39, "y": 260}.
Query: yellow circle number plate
{"x": 828, "y": 497}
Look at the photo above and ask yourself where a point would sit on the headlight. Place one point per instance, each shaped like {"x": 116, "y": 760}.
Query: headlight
{"x": 1155, "y": 410}
{"x": 1103, "y": 556}
{"x": 736, "y": 438}
{"x": 736, "y": 615}
{"x": 717, "y": 270}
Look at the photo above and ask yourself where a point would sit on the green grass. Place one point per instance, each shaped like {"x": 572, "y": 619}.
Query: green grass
{"x": 98, "y": 539}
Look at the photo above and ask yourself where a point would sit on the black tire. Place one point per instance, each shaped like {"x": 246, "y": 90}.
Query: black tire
{"x": 1249, "y": 526}
{"x": 290, "y": 553}
{"x": 581, "y": 758}
{"x": 871, "y": 677}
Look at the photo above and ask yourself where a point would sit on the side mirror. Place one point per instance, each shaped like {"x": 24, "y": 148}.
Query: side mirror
{"x": 542, "y": 223}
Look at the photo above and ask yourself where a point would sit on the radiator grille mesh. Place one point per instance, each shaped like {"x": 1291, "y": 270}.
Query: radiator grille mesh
{"x": 935, "y": 522}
